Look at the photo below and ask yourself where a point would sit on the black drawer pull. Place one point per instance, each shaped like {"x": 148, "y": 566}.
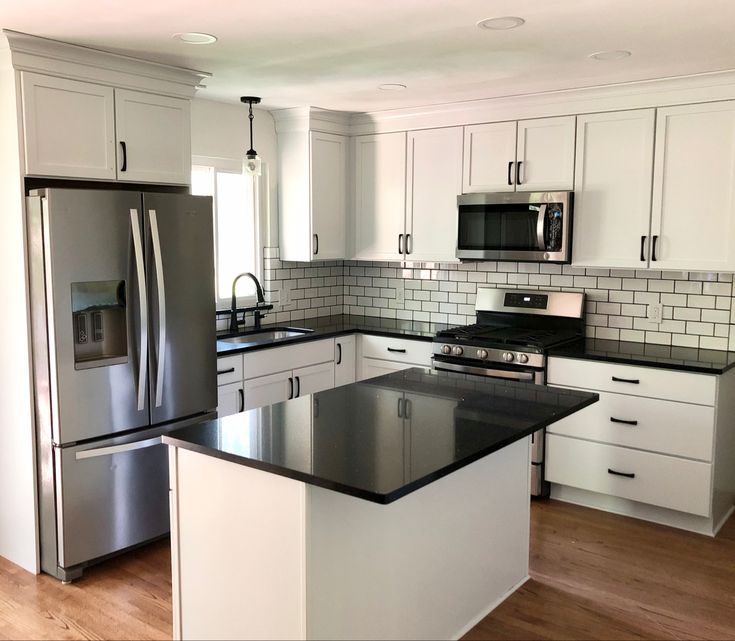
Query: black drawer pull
{"x": 220, "y": 372}
{"x": 395, "y": 349}
{"x": 242, "y": 399}
{"x": 625, "y": 474}
{"x": 620, "y": 420}
{"x": 633, "y": 381}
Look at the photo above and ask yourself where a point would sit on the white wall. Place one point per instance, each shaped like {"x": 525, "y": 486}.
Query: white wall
{"x": 18, "y": 527}
{"x": 221, "y": 130}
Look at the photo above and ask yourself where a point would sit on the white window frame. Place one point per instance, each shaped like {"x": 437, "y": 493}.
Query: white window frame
{"x": 234, "y": 166}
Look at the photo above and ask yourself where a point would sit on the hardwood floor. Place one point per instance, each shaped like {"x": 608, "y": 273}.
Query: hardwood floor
{"x": 593, "y": 576}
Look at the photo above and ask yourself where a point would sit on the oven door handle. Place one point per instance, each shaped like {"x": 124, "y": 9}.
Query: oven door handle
{"x": 483, "y": 371}
{"x": 540, "y": 225}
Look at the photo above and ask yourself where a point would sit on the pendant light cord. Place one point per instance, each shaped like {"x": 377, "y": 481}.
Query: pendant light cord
{"x": 250, "y": 117}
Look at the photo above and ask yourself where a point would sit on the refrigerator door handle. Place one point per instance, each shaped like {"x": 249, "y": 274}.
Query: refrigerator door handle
{"x": 143, "y": 302}
{"x": 156, "y": 238}
{"x": 117, "y": 449}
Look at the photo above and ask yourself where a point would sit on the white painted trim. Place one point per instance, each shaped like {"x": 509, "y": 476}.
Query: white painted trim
{"x": 304, "y": 119}
{"x": 51, "y": 57}
{"x": 490, "y": 608}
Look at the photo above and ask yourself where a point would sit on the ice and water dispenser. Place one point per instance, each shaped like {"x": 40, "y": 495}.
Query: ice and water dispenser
{"x": 99, "y": 314}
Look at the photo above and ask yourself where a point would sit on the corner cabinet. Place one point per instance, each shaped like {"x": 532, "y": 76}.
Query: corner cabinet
{"x": 90, "y": 131}
{"x": 524, "y": 155}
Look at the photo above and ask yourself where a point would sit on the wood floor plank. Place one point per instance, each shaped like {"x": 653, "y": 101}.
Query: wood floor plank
{"x": 593, "y": 576}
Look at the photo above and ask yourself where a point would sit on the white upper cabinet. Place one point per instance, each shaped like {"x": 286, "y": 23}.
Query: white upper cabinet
{"x": 527, "y": 155}
{"x": 434, "y": 182}
{"x": 88, "y": 131}
{"x": 489, "y": 157}
{"x": 693, "y": 214}
{"x": 380, "y": 196}
{"x": 545, "y": 154}
{"x": 69, "y": 128}
{"x": 612, "y": 199}
{"x": 154, "y": 138}
{"x": 312, "y": 195}
{"x": 328, "y": 195}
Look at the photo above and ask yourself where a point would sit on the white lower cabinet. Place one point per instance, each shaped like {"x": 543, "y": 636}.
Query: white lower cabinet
{"x": 658, "y": 445}
{"x": 381, "y": 355}
{"x": 230, "y": 399}
{"x": 313, "y": 379}
{"x": 345, "y": 360}
{"x": 267, "y": 390}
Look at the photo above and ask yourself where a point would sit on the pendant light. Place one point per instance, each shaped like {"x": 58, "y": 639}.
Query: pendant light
{"x": 251, "y": 164}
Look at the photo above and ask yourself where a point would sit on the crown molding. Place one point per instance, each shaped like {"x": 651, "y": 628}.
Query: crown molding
{"x": 52, "y": 57}
{"x": 303, "y": 119}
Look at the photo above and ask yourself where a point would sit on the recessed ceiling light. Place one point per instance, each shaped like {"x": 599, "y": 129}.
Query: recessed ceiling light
{"x": 392, "y": 86}
{"x": 502, "y": 23}
{"x": 194, "y": 38}
{"x": 613, "y": 54}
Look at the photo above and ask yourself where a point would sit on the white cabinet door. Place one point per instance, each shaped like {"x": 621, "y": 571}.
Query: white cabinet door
{"x": 434, "y": 182}
{"x": 328, "y": 196}
{"x": 545, "y": 154}
{"x": 154, "y": 137}
{"x": 694, "y": 188}
{"x": 612, "y": 196}
{"x": 267, "y": 390}
{"x": 69, "y": 128}
{"x": 229, "y": 399}
{"x": 371, "y": 367}
{"x": 380, "y": 196}
{"x": 309, "y": 380}
{"x": 344, "y": 360}
{"x": 489, "y": 157}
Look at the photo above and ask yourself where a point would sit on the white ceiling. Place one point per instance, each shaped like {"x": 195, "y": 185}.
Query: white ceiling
{"x": 334, "y": 53}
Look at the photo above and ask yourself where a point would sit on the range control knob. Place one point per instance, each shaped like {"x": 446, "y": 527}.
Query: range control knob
{"x": 523, "y": 358}
{"x": 446, "y": 349}
{"x": 508, "y": 357}
{"x": 457, "y": 350}
{"x": 482, "y": 353}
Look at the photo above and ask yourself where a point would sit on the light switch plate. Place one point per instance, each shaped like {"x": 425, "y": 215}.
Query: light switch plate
{"x": 656, "y": 312}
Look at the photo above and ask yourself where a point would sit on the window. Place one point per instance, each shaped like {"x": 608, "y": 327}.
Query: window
{"x": 236, "y": 228}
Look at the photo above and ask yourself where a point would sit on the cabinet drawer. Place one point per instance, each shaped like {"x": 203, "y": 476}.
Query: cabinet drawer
{"x": 633, "y": 380}
{"x": 397, "y": 349}
{"x": 281, "y": 359}
{"x": 668, "y": 482}
{"x": 665, "y": 427}
{"x": 229, "y": 369}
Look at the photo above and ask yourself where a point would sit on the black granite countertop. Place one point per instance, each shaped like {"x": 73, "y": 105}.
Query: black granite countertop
{"x": 688, "y": 359}
{"x": 331, "y": 326}
{"x": 385, "y": 437}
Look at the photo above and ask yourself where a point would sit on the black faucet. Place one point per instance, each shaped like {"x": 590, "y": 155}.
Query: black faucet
{"x": 259, "y": 308}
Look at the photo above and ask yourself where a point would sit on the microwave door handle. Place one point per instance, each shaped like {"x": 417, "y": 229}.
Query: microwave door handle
{"x": 540, "y": 225}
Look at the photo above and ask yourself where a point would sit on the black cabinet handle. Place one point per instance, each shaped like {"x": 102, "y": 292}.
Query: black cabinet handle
{"x": 400, "y": 408}
{"x": 643, "y": 244}
{"x": 396, "y": 350}
{"x": 400, "y": 243}
{"x": 620, "y": 420}
{"x": 339, "y": 353}
{"x": 510, "y": 167}
{"x": 632, "y": 381}
{"x": 409, "y": 244}
{"x": 242, "y": 399}
{"x": 407, "y": 408}
{"x": 653, "y": 249}
{"x": 220, "y": 372}
{"x": 316, "y": 244}
{"x": 298, "y": 387}
{"x": 125, "y": 156}
{"x": 625, "y": 474}
{"x": 290, "y": 388}
{"x": 518, "y": 172}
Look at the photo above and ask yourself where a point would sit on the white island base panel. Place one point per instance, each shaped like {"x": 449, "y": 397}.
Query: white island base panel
{"x": 260, "y": 556}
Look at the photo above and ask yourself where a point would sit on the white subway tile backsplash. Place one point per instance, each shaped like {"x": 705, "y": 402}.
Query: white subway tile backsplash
{"x": 697, "y": 306}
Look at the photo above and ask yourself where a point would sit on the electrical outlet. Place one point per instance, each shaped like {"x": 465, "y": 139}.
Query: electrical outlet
{"x": 656, "y": 312}
{"x": 400, "y": 292}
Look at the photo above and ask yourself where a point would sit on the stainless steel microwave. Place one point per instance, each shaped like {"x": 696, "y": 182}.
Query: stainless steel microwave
{"x": 517, "y": 226}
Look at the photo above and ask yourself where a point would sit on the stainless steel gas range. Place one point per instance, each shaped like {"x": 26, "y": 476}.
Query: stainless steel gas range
{"x": 510, "y": 339}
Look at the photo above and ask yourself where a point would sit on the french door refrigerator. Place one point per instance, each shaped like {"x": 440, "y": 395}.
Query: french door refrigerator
{"x": 122, "y": 309}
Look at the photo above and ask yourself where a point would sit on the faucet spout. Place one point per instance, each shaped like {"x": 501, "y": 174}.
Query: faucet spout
{"x": 259, "y": 294}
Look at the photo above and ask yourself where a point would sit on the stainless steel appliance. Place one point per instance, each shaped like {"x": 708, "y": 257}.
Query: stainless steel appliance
{"x": 122, "y": 306}
{"x": 513, "y": 331}
{"x": 519, "y": 226}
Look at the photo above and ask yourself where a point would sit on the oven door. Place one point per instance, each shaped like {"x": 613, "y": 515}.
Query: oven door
{"x": 532, "y": 227}
{"x": 539, "y": 486}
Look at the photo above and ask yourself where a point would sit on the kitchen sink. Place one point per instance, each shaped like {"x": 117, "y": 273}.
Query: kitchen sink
{"x": 262, "y": 336}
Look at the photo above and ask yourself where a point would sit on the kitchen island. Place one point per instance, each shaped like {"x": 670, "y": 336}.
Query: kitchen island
{"x": 397, "y": 507}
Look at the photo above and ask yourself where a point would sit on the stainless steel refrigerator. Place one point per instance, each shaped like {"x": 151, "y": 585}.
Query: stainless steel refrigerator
{"x": 122, "y": 308}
